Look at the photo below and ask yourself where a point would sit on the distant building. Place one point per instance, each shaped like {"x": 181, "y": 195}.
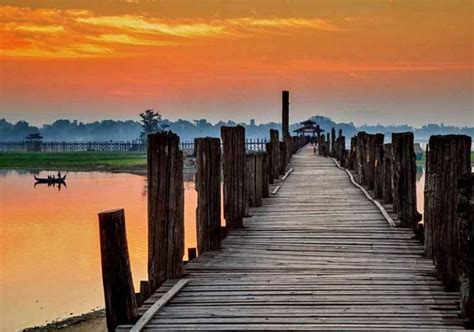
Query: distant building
{"x": 310, "y": 127}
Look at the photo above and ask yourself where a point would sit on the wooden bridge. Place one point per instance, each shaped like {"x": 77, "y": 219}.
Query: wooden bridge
{"x": 318, "y": 255}
{"x": 316, "y": 237}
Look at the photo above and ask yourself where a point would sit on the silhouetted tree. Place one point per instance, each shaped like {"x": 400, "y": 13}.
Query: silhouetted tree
{"x": 151, "y": 123}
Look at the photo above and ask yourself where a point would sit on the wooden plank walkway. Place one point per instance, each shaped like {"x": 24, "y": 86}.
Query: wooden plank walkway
{"x": 317, "y": 256}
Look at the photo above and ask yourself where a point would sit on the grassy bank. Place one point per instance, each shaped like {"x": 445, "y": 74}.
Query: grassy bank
{"x": 94, "y": 160}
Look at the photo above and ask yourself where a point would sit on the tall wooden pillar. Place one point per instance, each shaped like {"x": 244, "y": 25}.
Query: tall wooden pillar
{"x": 208, "y": 187}
{"x": 285, "y": 117}
{"x": 404, "y": 180}
{"x": 233, "y": 139}
{"x": 165, "y": 208}
{"x": 448, "y": 159}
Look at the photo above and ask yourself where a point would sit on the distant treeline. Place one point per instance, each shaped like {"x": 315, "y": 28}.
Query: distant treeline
{"x": 115, "y": 130}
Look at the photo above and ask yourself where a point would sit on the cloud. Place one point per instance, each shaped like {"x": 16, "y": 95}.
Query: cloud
{"x": 81, "y": 33}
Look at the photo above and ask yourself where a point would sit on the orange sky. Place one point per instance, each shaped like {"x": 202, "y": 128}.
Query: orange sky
{"x": 362, "y": 61}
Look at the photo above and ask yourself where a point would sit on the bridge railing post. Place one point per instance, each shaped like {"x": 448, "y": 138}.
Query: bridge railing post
{"x": 448, "y": 159}
{"x": 165, "y": 208}
{"x": 233, "y": 140}
{"x": 208, "y": 187}
{"x": 119, "y": 293}
{"x": 361, "y": 157}
{"x": 465, "y": 210}
{"x": 283, "y": 157}
{"x": 275, "y": 153}
{"x": 387, "y": 184}
{"x": 404, "y": 180}
{"x": 378, "y": 165}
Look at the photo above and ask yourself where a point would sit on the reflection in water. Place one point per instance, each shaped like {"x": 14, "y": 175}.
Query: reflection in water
{"x": 49, "y": 257}
{"x": 54, "y": 185}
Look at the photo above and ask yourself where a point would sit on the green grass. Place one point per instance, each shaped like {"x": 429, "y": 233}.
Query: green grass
{"x": 74, "y": 160}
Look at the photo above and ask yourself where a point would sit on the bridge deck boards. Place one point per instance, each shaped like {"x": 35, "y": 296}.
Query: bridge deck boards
{"x": 316, "y": 256}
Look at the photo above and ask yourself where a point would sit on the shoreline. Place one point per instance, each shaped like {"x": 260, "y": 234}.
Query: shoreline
{"x": 90, "y": 321}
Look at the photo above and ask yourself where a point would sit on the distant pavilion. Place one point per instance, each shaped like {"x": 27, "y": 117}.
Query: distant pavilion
{"x": 309, "y": 126}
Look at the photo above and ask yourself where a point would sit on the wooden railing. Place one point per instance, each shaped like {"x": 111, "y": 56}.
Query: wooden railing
{"x": 255, "y": 144}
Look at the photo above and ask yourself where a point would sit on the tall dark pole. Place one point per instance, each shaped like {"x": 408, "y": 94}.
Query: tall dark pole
{"x": 285, "y": 98}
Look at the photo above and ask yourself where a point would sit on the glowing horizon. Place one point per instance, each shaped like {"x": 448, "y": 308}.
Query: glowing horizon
{"x": 371, "y": 62}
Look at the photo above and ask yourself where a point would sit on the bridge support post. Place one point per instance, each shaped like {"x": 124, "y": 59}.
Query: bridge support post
{"x": 165, "y": 208}
{"x": 233, "y": 139}
{"x": 119, "y": 294}
{"x": 283, "y": 157}
{"x": 370, "y": 161}
{"x": 387, "y": 189}
{"x": 361, "y": 157}
{"x": 274, "y": 153}
{"x": 466, "y": 244}
{"x": 250, "y": 179}
{"x": 208, "y": 186}
{"x": 448, "y": 159}
{"x": 265, "y": 176}
{"x": 378, "y": 165}
{"x": 404, "y": 180}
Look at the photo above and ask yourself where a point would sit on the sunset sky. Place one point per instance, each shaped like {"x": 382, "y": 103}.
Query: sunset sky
{"x": 364, "y": 61}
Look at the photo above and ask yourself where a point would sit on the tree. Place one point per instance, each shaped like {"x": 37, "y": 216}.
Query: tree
{"x": 151, "y": 123}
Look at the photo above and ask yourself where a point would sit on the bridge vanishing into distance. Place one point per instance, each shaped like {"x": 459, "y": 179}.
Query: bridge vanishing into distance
{"x": 316, "y": 237}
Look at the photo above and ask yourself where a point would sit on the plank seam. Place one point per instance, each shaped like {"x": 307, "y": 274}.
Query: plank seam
{"x": 369, "y": 197}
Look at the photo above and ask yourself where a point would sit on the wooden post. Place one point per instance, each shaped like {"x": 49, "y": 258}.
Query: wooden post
{"x": 119, "y": 293}
{"x": 361, "y": 157}
{"x": 250, "y": 178}
{"x": 327, "y": 149}
{"x": 266, "y": 176}
{"x": 404, "y": 180}
{"x": 387, "y": 186}
{"x": 352, "y": 154}
{"x": 275, "y": 153}
{"x": 378, "y": 165}
{"x": 342, "y": 150}
{"x": 165, "y": 208}
{"x": 466, "y": 244}
{"x": 283, "y": 157}
{"x": 269, "y": 159}
{"x": 208, "y": 186}
{"x": 448, "y": 159}
{"x": 370, "y": 161}
{"x": 233, "y": 139}
{"x": 259, "y": 178}
{"x": 332, "y": 150}
{"x": 285, "y": 99}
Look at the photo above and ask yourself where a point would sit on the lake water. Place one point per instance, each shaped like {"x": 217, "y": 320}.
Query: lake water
{"x": 49, "y": 241}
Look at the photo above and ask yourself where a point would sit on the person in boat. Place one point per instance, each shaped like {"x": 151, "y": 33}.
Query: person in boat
{"x": 59, "y": 175}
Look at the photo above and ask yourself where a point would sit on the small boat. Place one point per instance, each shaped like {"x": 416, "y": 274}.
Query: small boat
{"x": 51, "y": 180}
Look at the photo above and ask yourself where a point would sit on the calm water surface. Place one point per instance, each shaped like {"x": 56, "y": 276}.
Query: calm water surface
{"x": 49, "y": 244}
